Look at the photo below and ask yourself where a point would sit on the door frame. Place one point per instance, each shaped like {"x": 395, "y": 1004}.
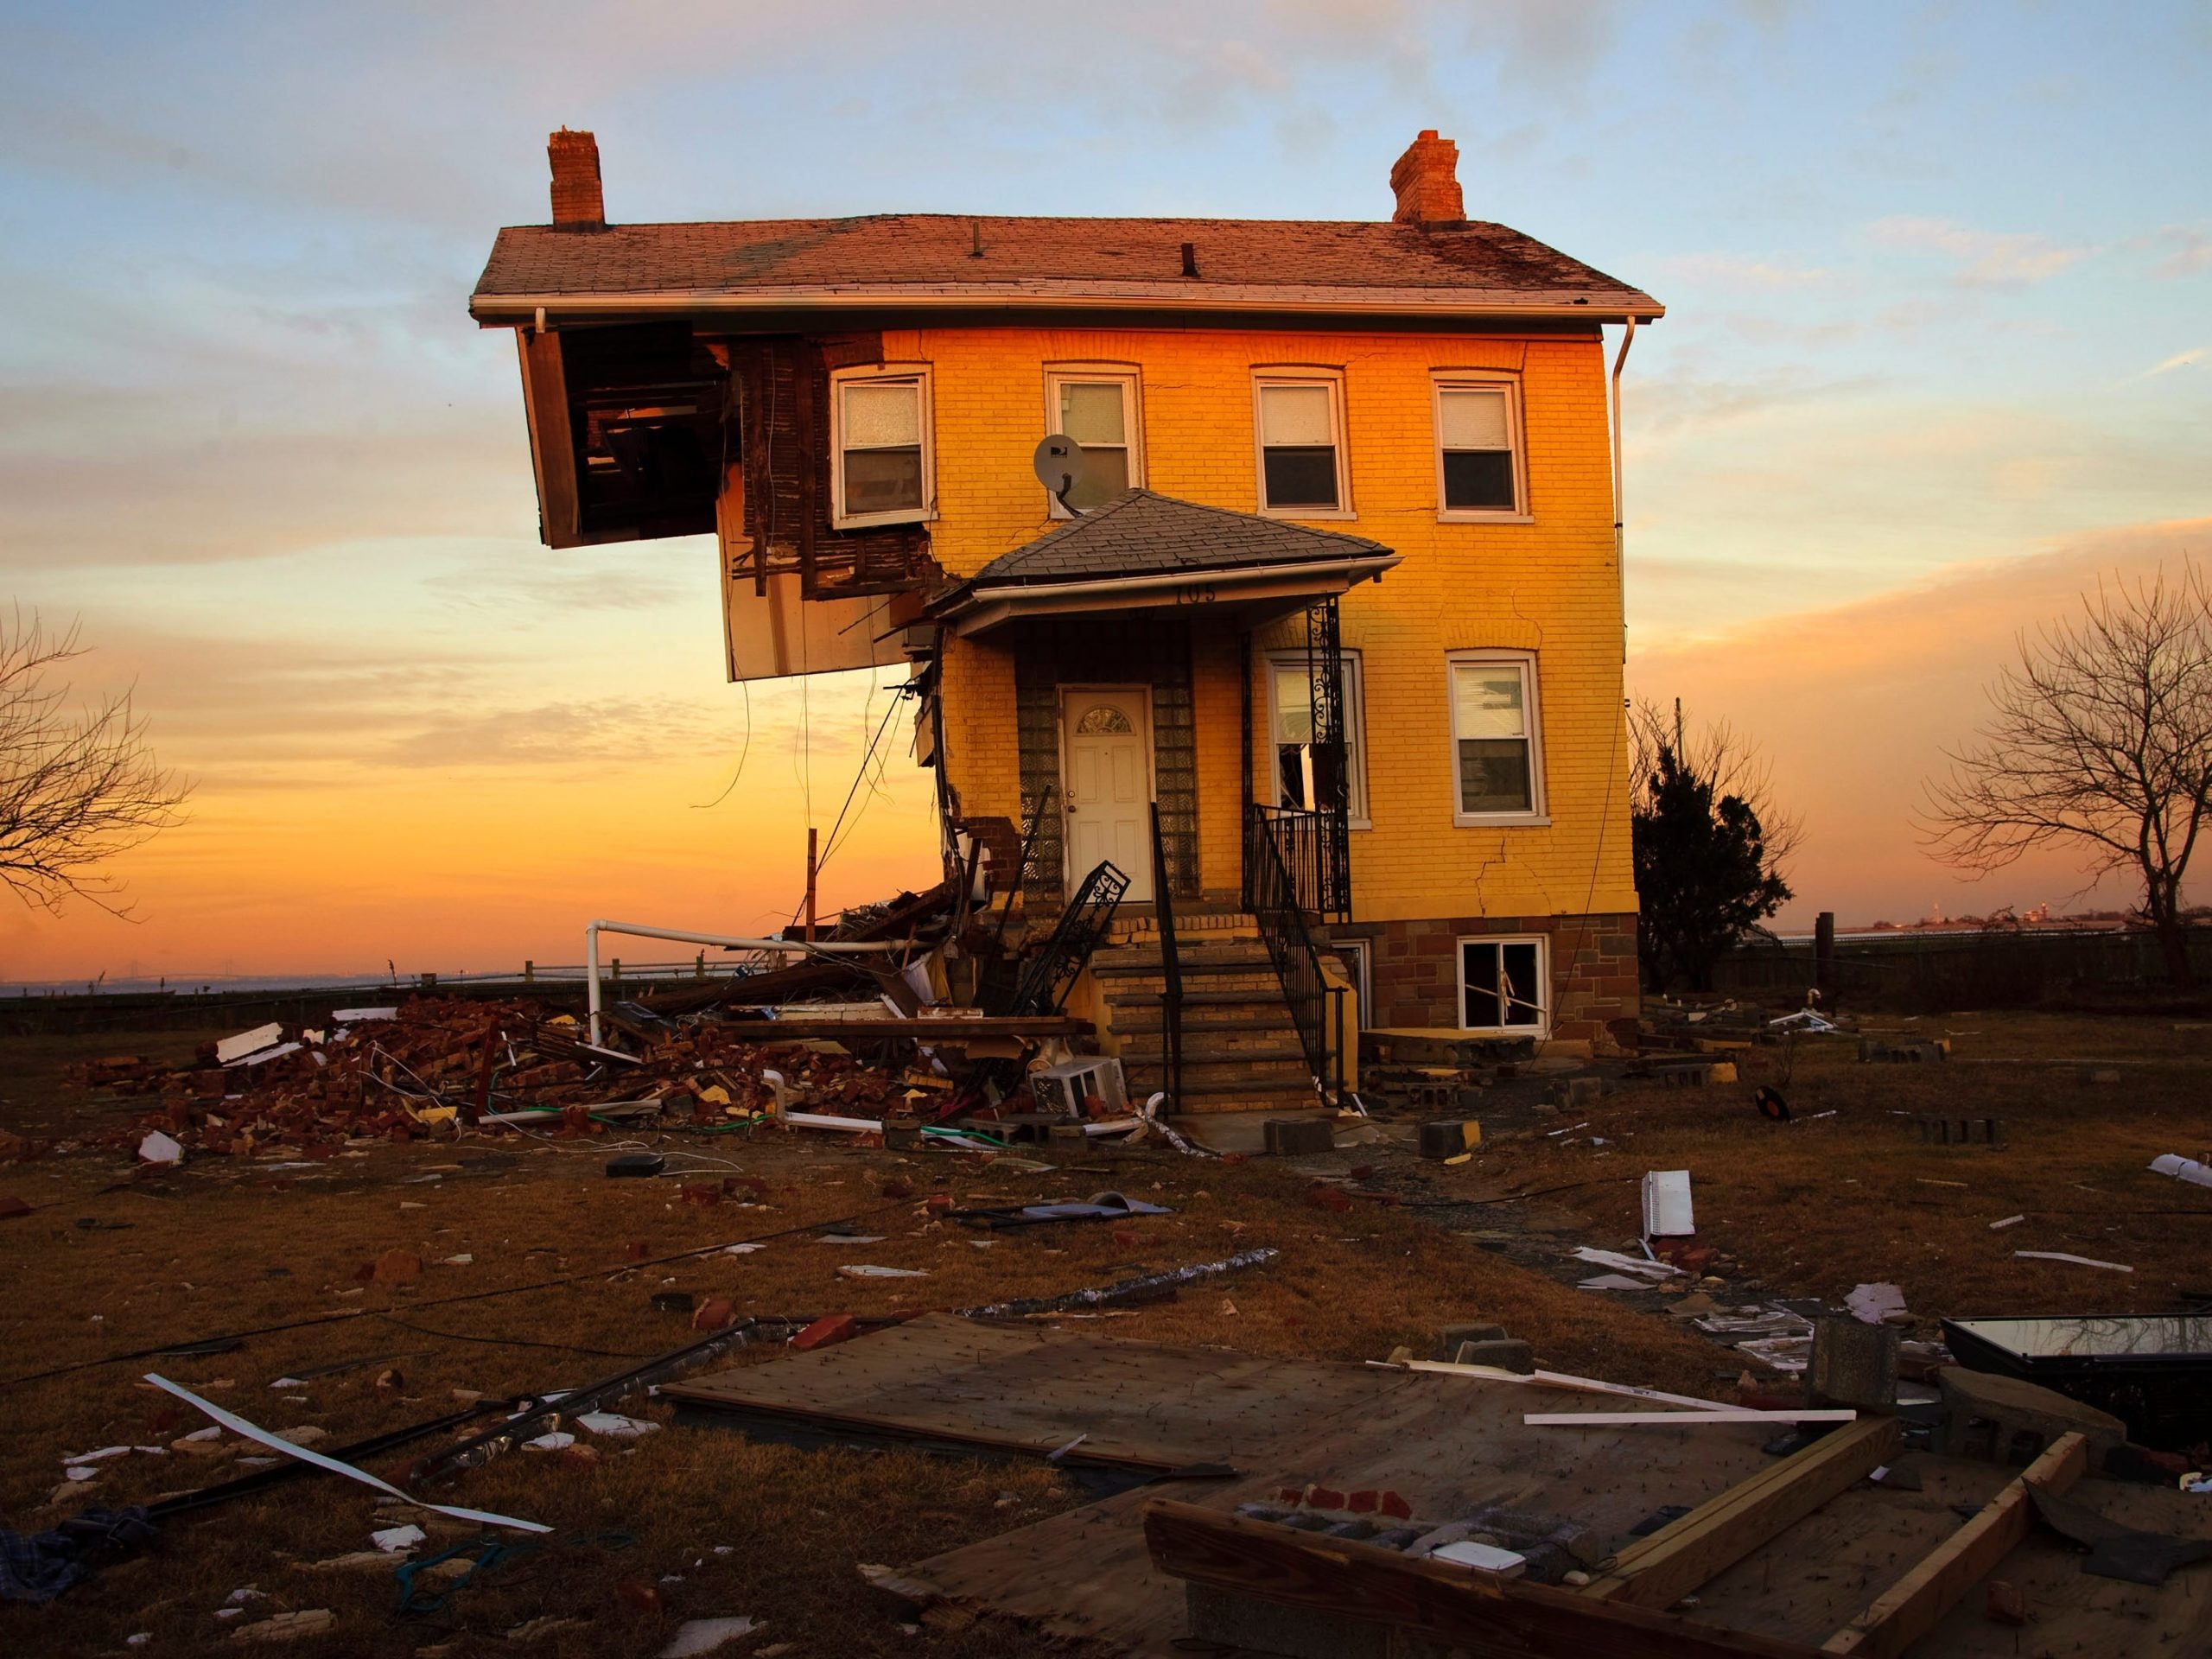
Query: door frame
{"x": 1070, "y": 878}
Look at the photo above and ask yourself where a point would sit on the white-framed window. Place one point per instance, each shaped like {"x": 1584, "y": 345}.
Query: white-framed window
{"x": 1481, "y": 464}
{"x": 1497, "y": 756}
{"x": 1505, "y": 987}
{"x": 1102, "y": 410}
{"x": 1290, "y": 721}
{"x": 1353, "y": 954}
{"x": 1298, "y": 423}
{"x": 882, "y": 464}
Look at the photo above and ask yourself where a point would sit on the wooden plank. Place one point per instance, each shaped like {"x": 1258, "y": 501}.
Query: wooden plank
{"x": 552, "y": 438}
{"x": 1658, "y": 1570}
{"x": 1682, "y": 1418}
{"x": 1917, "y": 1603}
{"x": 1482, "y": 1614}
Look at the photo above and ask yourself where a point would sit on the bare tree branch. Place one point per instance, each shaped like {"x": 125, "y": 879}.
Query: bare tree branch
{"x": 1723, "y": 757}
{"x": 2100, "y": 736}
{"x": 76, "y": 789}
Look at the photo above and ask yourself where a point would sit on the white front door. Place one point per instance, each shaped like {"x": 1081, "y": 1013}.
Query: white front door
{"x": 1106, "y": 784}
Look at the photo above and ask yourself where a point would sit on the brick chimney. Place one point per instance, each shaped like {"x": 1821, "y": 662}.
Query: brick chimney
{"x": 1426, "y": 180}
{"x": 577, "y": 202}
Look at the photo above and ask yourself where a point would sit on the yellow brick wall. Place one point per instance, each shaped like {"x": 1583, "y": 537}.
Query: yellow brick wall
{"x": 1549, "y": 587}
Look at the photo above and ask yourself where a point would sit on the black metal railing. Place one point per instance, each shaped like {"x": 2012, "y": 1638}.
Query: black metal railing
{"x": 1301, "y": 840}
{"x": 1316, "y": 1006}
{"x": 1171, "y": 972}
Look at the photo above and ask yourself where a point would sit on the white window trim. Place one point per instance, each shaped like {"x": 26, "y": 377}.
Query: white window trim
{"x": 1292, "y": 376}
{"x": 1132, "y": 386}
{"x": 840, "y": 378}
{"x": 1355, "y": 725}
{"x": 1543, "y": 1028}
{"x": 1444, "y": 380}
{"x": 1356, "y": 957}
{"x": 1539, "y": 812}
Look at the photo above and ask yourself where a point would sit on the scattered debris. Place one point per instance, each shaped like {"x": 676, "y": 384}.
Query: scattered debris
{"x": 2183, "y": 1169}
{"x": 1667, "y": 1211}
{"x": 159, "y": 1148}
{"x": 697, "y": 1636}
{"x": 1874, "y": 1304}
{"x": 2078, "y": 1261}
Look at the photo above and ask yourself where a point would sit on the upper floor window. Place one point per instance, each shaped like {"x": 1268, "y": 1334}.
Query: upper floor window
{"x": 1099, "y": 409}
{"x": 882, "y": 468}
{"x": 1300, "y": 420}
{"x": 1497, "y": 751}
{"x": 1479, "y": 470}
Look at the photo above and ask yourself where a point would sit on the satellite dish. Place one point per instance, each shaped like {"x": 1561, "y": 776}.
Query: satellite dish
{"x": 1058, "y": 465}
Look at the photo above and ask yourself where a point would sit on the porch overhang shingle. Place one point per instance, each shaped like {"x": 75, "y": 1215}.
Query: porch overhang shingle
{"x": 1142, "y": 551}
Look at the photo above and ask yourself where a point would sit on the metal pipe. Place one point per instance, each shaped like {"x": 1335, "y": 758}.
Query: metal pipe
{"x": 1620, "y": 509}
{"x": 639, "y": 930}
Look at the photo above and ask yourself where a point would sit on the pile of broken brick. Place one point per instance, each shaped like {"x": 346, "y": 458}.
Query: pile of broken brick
{"x": 413, "y": 1070}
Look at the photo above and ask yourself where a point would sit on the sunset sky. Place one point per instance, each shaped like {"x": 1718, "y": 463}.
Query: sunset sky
{"x": 1939, "y": 352}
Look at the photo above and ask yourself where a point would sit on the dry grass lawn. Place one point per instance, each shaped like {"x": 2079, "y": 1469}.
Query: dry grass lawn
{"x": 1823, "y": 1203}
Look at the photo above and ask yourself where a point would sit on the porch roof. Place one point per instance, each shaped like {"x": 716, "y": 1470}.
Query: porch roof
{"x": 1140, "y": 549}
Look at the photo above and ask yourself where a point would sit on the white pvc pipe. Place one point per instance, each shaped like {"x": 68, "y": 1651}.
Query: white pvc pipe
{"x": 637, "y": 929}
{"x": 1620, "y": 502}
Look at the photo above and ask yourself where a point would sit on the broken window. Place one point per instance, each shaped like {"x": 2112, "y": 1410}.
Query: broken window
{"x": 1501, "y": 985}
{"x": 1099, "y": 411}
{"x": 883, "y": 472}
{"x": 1301, "y": 770}
{"x": 1301, "y": 445}
{"x": 1478, "y": 469}
{"x": 1494, "y": 736}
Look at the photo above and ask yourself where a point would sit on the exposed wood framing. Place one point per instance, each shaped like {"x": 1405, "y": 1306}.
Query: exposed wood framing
{"x": 1917, "y": 1603}
{"x": 1485, "y": 1615}
{"x": 552, "y": 437}
{"x": 1658, "y": 1570}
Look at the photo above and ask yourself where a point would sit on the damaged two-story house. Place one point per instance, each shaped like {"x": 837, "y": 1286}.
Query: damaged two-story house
{"x": 1335, "y": 590}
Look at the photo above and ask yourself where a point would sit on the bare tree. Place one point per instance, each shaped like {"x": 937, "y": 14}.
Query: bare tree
{"x": 2101, "y": 737}
{"x": 1723, "y": 759}
{"x": 76, "y": 787}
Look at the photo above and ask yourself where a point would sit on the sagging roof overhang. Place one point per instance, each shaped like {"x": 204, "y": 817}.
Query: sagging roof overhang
{"x": 1254, "y": 593}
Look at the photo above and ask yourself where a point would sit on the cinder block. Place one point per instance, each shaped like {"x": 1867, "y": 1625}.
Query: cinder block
{"x": 1449, "y": 1137}
{"x": 1506, "y": 1353}
{"x": 1854, "y": 1365}
{"x": 1298, "y": 1137}
{"x": 2008, "y": 1421}
{"x": 1452, "y": 1338}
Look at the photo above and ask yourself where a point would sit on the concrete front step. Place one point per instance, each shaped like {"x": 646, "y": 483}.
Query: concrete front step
{"x": 1126, "y": 959}
{"x": 1234, "y": 1095}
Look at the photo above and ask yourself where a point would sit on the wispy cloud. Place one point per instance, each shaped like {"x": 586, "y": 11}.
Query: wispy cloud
{"x": 1744, "y": 270}
{"x": 2189, "y": 251}
{"x": 1982, "y": 258}
{"x": 2189, "y": 358}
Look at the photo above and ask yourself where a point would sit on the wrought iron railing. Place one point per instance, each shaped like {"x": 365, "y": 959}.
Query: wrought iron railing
{"x": 1271, "y": 895}
{"x": 1171, "y": 971}
{"x": 1300, "y": 840}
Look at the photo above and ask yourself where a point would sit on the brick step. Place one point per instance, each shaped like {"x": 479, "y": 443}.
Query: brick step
{"x": 1233, "y": 1019}
{"x": 1126, "y": 959}
{"x": 1151, "y": 1050}
{"x": 1232, "y": 1095}
{"x": 1122, "y": 997}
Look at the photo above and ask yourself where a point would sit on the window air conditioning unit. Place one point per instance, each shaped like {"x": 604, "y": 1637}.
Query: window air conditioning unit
{"x": 1068, "y": 1088}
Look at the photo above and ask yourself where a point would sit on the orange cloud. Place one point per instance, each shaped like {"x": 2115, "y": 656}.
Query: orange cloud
{"x": 1854, "y": 704}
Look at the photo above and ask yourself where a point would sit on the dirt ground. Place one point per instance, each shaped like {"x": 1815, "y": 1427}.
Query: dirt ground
{"x": 531, "y": 1282}
{"x": 689, "y": 1522}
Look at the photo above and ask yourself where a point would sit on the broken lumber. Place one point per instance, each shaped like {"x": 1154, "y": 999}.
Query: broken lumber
{"x": 1660, "y": 1570}
{"x": 1917, "y": 1603}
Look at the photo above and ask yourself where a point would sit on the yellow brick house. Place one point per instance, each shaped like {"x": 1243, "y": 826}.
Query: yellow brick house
{"x": 1332, "y": 588}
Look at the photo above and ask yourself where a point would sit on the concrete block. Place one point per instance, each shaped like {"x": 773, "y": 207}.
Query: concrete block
{"x": 1450, "y": 1136}
{"x": 2006, "y": 1421}
{"x": 1243, "y": 1624}
{"x": 1854, "y": 1365}
{"x": 1298, "y": 1137}
{"x": 1505, "y": 1353}
{"x": 1449, "y": 1338}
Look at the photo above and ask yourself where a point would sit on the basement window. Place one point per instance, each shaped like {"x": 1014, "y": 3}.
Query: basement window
{"x": 1480, "y": 473}
{"x": 882, "y": 470}
{"x": 1300, "y": 426}
{"x": 1502, "y": 988}
{"x": 1496, "y": 756}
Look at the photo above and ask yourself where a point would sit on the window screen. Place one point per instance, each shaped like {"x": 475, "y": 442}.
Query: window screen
{"x": 1502, "y": 989}
{"x": 1490, "y": 725}
{"x": 880, "y": 430}
{"x": 1298, "y": 446}
{"x": 1475, "y": 430}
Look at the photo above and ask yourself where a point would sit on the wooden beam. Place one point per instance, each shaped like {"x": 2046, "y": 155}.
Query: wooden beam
{"x": 1916, "y": 1603}
{"x": 552, "y": 438}
{"x": 1659, "y": 1571}
{"x": 1487, "y": 1616}
{"x": 1680, "y": 1419}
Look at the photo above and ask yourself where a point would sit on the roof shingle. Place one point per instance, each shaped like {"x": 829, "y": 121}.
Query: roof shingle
{"x": 1138, "y": 533}
{"x": 1136, "y": 259}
